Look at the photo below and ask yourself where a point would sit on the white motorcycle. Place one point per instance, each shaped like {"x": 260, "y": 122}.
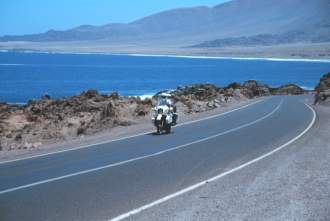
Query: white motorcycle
{"x": 164, "y": 115}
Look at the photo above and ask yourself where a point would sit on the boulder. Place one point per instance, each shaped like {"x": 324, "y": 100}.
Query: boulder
{"x": 198, "y": 91}
{"x": 80, "y": 131}
{"x": 18, "y": 137}
{"x": 108, "y": 110}
{"x": 90, "y": 93}
{"x": 114, "y": 95}
{"x": 288, "y": 89}
{"x": 233, "y": 85}
{"x": 213, "y": 104}
{"x": 252, "y": 88}
{"x": 46, "y": 97}
{"x": 323, "y": 90}
{"x": 324, "y": 83}
{"x": 143, "y": 109}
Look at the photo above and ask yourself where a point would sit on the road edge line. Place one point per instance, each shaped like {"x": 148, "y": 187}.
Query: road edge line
{"x": 200, "y": 184}
{"x": 141, "y": 157}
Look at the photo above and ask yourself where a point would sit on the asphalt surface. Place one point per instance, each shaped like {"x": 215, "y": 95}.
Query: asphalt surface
{"x": 293, "y": 185}
{"x": 94, "y": 184}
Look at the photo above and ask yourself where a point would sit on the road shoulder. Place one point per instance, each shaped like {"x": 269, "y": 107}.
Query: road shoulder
{"x": 292, "y": 184}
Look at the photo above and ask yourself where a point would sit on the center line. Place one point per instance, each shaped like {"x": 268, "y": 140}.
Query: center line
{"x": 142, "y": 157}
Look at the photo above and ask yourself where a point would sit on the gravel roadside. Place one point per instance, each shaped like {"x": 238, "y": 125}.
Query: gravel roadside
{"x": 293, "y": 184}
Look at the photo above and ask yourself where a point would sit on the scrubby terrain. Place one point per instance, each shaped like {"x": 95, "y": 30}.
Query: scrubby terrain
{"x": 49, "y": 121}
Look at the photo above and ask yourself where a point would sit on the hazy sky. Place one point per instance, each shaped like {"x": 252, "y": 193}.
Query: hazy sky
{"x": 34, "y": 16}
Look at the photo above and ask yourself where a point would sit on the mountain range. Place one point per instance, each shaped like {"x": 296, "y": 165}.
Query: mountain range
{"x": 238, "y": 22}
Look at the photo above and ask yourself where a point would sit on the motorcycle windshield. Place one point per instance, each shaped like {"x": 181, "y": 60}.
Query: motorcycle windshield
{"x": 162, "y": 102}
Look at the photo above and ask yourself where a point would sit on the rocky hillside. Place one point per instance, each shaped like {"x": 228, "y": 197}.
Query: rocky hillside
{"x": 48, "y": 121}
{"x": 237, "y": 22}
{"x": 323, "y": 90}
{"x": 264, "y": 40}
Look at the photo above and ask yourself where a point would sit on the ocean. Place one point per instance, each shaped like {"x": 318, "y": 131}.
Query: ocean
{"x": 25, "y": 76}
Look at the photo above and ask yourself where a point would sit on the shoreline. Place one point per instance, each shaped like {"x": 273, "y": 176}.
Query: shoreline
{"x": 232, "y": 58}
{"x": 274, "y": 59}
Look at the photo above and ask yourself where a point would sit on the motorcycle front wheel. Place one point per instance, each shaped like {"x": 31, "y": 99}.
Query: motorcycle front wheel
{"x": 168, "y": 129}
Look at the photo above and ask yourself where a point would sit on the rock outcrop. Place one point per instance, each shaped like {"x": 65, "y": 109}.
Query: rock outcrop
{"x": 323, "y": 90}
{"x": 55, "y": 120}
{"x": 253, "y": 88}
{"x": 288, "y": 89}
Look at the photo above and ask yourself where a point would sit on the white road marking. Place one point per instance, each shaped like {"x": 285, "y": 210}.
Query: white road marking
{"x": 128, "y": 137}
{"x": 142, "y": 157}
{"x": 200, "y": 184}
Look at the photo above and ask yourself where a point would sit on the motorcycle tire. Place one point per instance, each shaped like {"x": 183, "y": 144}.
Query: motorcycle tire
{"x": 168, "y": 129}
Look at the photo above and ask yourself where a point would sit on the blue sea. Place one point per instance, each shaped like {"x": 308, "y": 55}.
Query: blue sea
{"x": 25, "y": 76}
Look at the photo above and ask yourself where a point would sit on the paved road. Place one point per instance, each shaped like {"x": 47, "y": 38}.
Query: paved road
{"x": 104, "y": 181}
{"x": 292, "y": 184}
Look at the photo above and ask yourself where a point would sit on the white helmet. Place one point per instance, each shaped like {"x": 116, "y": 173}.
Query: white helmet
{"x": 165, "y": 95}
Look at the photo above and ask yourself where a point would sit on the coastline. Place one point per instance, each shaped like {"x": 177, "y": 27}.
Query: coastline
{"x": 171, "y": 56}
{"x": 231, "y": 58}
{"x": 15, "y": 61}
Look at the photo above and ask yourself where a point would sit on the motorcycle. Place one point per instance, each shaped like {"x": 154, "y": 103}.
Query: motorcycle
{"x": 164, "y": 115}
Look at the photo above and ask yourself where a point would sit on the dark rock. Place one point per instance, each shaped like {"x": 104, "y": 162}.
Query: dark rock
{"x": 147, "y": 101}
{"x": 233, "y": 85}
{"x": 288, "y": 89}
{"x": 45, "y": 97}
{"x": 252, "y": 88}
{"x": 114, "y": 95}
{"x": 324, "y": 83}
{"x": 18, "y": 137}
{"x": 199, "y": 91}
{"x": 60, "y": 117}
{"x": 142, "y": 110}
{"x": 36, "y": 109}
{"x": 323, "y": 90}
{"x": 81, "y": 131}
{"x": 108, "y": 111}
{"x": 91, "y": 93}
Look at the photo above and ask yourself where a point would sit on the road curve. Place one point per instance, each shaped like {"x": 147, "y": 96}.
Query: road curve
{"x": 103, "y": 181}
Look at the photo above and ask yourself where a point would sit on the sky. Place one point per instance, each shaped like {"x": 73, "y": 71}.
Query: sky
{"x": 34, "y": 16}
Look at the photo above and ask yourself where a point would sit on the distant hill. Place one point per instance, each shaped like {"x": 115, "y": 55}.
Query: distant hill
{"x": 239, "y": 22}
{"x": 265, "y": 40}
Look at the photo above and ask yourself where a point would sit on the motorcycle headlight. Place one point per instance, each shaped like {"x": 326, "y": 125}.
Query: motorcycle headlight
{"x": 160, "y": 111}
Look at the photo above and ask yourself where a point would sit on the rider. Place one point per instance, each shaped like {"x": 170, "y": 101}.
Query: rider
{"x": 171, "y": 107}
